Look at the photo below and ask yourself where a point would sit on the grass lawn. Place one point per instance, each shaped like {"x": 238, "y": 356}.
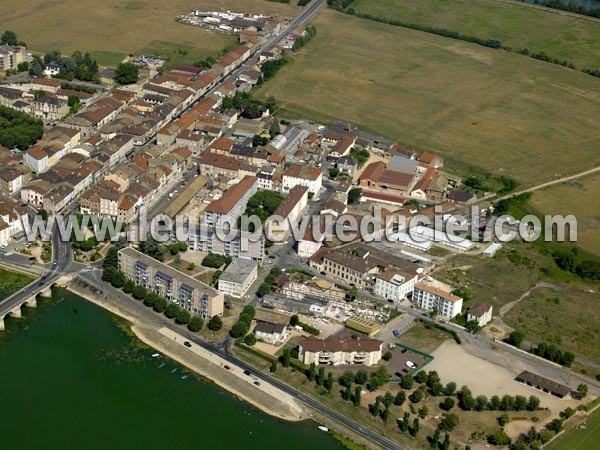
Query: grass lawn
{"x": 568, "y": 319}
{"x": 575, "y": 39}
{"x": 580, "y": 438}
{"x": 477, "y": 106}
{"x": 11, "y": 282}
{"x": 497, "y": 280}
{"x": 574, "y": 198}
{"x": 114, "y": 28}
{"x": 423, "y": 339}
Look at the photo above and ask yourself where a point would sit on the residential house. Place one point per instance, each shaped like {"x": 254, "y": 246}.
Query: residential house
{"x": 434, "y": 295}
{"x": 480, "y": 312}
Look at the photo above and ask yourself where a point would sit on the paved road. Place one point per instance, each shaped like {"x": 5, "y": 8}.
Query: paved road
{"x": 94, "y": 278}
{"x": 62, "y": 263}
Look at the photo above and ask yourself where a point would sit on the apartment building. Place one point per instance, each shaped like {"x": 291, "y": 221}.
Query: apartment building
{"x": 340, "y": 351}
{"x": 239, "y": 245}
{"x": 175, "y": 286}
{"x": 237, "y": 277}
{"x": 11, "y": 56}
{"x": 431, "y": 294}
{"x": 228, "y": 208}
{"x": 303, "y": 175}
{"x": 395, "y": 285}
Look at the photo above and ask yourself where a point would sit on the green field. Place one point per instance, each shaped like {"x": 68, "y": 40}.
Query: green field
{"x": 562, "y": 36}
{"x": 111, "y": 29}
{"x": 11, "y": 282}
{"x": 568, "y": 319}
{"x": 477, "y": 106}
{"x": 581, "y": 438}
{"x": 574, "y": 198}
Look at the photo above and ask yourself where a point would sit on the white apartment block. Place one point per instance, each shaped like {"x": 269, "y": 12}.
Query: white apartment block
{"x": 395, "y": 285}
{"x": 432, "y": 295}
{"x": 238, "y": 277}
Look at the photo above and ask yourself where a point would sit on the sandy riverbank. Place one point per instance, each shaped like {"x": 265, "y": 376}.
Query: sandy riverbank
{"x": 265, "y": 397}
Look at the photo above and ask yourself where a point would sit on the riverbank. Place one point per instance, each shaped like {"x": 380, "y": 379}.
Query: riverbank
{"x": 265, "y": 397}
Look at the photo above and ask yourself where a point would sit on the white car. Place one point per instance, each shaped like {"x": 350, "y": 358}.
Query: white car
{"x": 410, "y": 365}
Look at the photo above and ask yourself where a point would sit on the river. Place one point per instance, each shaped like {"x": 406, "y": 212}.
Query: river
{"x": 74, "y": 377}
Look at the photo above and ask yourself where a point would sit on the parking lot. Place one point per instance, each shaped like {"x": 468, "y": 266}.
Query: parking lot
{"x": 397, "y": 365}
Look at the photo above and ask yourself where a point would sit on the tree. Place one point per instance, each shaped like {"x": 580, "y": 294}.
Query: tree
{"x": 138, "y": 292}
{"x": 449, "y": 422}
{"x": 321, "y": 376}
{"x": 239, "y": 329}
{"x": 346, "y": 378}
{"x": 23, "y": 66}
{"x": 499, "y": 438}
{"x": 450, "y": 388}
{"x": 415, "y": 428}
{"x": 273, "y": 367}
{"x": 150, "y": 298}
{"x": 311, "y": 372}
{"x": 481, "y": 403}
{"x": 126, "y": 73}
{"x": 520, "y": 403}
{"x": 582, "y": 391}
{"x": 361, "y": 376}
{"x": 421, "y": 377}
{"x": 378, "y": 379}
{"x": 329, "y": 382}
{"x": 494, "y": 403}
{"x": 533, "y": 403}
{"x": 215, "y": 323}
{"x": 466, "y": 401}
{"x": 406, "y": 382}
{"x": 286, "y": 358}
{"x": 416, "y": 396}
{"x": 354, "y": 195}
{"x": 387, "y": 356}
{"x": 436, "y": 389}
{"x": 503, "y": 419}
{"x": 388, "y": 399}
{"x": 196, "y": 324}
{"x": 294, "y": 320}
{"x": 128, "y": 286}
{"x": 160, "y": 305}
{"x": 250, "y": 339}
{"x": 9, "y": 38}
{"x": 118, "y": 279}
{"x": 555, "y": 425}
{"x": 172, "y": 311}
{"x": 183, "y": 316}
{"x": 423, "y": 411}
{"x": 507, "y": 403}
{"x": 447, "y": 404}
{"x": 516, "y": 338}
{"x": 357, "y": 395}
{"x": 400, "y": 398}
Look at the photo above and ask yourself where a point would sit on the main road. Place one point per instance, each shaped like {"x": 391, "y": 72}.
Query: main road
{"x": 94, "y": 279}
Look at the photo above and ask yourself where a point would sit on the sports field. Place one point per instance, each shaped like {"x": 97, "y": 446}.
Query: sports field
{"x": 582, "y": 438}
{"x": 575, "y": 198}
{"x": 509, "y": 114}
{"x": 517, "y": 25}
{"x": 111, "y": 29}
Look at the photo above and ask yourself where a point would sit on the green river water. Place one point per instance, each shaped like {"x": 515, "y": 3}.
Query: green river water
{"x": 73, "y": 377}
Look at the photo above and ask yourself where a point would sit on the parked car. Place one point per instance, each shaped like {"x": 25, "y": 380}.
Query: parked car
{"x": 396, "y": 333}
{"x": 257, "y": 383}
{"x": 247, "y": 372}
{"x": 226, "y": 367}
{"x": 187, "y": 344}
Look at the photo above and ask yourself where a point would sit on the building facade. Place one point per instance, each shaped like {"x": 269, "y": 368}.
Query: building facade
{"x": 433, "y": 295}
{"x": 237, "y": 277}
{"x": 175, "y": 286}
{"x": 339, "y": 352}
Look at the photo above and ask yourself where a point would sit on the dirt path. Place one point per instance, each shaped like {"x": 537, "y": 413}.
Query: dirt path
{"x": 551, "y": 183}
{"x": 540, "y": 284}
